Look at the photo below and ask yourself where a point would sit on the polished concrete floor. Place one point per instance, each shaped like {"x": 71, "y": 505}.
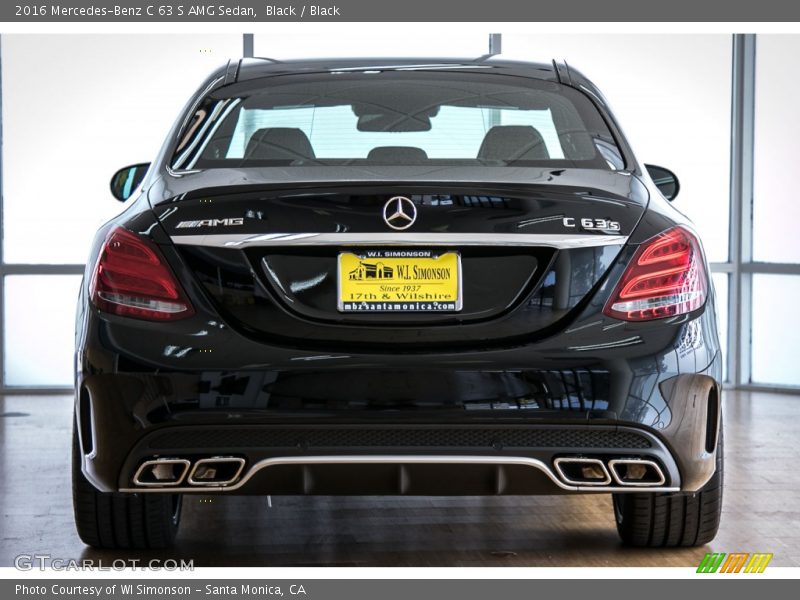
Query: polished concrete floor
{"x": 761, "y": 512}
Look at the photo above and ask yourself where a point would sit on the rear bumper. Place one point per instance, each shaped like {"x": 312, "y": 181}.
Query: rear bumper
{"x": 480, "y": 456}
{"x": 489, "y": 421}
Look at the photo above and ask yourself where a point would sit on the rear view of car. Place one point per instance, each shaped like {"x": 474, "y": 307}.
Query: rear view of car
{"x": 401, "y": 278}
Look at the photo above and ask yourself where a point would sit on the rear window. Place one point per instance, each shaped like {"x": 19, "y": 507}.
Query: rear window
{"x": 396, "y": 118}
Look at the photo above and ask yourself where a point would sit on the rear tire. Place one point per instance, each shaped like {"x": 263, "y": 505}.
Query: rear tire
{"x": 671, "y": 520}
{"x": 121, "y": 521}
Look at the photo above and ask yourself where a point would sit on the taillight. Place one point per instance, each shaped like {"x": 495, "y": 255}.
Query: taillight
{"x": 666, "y": 277}
{"x": 132, "y": 279}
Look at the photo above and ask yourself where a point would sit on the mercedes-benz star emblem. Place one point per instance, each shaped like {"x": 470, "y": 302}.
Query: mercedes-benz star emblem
{"x": 399, "y": 213}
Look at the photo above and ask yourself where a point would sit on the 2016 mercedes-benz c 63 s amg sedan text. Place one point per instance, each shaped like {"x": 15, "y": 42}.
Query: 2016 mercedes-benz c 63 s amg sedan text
{"x": 434, "y": 277}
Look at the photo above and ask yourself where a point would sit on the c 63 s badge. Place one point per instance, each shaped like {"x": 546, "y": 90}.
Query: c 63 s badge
{"x": 590, "y": 224}
{"x": 210, "y": 223}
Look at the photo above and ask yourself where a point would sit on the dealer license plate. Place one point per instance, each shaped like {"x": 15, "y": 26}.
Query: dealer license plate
{"x": 402, "y": 281}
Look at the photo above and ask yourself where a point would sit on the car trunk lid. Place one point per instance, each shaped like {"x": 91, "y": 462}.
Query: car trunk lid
{"x": 276, "y": 258}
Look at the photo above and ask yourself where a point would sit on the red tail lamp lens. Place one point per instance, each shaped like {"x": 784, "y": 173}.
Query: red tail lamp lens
{"x": 666, "y": 277}
{"x": 132, "y": 279}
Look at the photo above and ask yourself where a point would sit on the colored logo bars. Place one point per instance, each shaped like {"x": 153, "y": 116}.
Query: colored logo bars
{"x": 737, "y": 562}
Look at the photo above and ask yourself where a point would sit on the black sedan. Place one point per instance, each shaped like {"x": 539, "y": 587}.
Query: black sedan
{"x": 430, "y": 277}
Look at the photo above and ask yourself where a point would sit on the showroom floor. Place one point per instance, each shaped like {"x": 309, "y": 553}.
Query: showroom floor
{"x": 760, "y": 510}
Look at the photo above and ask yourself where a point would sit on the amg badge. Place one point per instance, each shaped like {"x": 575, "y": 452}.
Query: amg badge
{"x": 210, "y": 223}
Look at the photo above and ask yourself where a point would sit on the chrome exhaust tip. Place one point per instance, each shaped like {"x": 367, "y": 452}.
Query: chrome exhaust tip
{"x": 582, "y": 471}
{"x": 636, "y": 472}
{"x": 217, "y": 471}
{"x": 161, "y": 472}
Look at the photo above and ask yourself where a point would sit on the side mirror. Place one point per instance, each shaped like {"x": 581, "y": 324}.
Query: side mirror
{"x": 127, "y": 179}
{"x": 666, "y": 181}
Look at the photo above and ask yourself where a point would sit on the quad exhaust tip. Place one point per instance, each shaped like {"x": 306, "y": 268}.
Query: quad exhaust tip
{"x": 636, "y": 472}
{"x": 582, "y": 471}
{"x": 216, "y": 471}
{"x": 161, "y": 472}
{"x": 625, "y": 472}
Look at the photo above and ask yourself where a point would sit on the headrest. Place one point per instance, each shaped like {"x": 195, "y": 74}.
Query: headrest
{"x": 279, "y": 143}
{"x": 513, "y": 142}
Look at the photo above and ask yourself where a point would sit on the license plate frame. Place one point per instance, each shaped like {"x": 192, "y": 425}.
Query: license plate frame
{"x": 387, "y": 302}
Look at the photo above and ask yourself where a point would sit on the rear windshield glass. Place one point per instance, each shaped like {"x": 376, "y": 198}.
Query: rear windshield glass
{"x": 396, "y": 118}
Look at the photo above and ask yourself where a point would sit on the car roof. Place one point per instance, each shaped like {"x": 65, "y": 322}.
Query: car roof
{"x": 254, "y": 68}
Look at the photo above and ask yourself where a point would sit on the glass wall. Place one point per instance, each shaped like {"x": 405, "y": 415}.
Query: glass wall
{"x": 775, "y": 331}
{"x": 95, "y": 104}
{"x": 776, "y": 213}
{"x": 776, "y": 210}
{"x": 39, "y": 329}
